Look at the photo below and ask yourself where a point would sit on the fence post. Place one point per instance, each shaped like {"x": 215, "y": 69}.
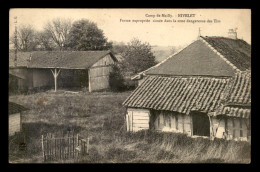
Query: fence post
{"x": 43, "y": 153}
{"x": 68, "y": 149}
{"x": 60, "y": 147}
{"x": 51, "y": 147}
{"x": 87, "y": 144}
{"x": 55, "y": 148}
{"x": 84, "y": 144}
{"x": 77, "y": 144}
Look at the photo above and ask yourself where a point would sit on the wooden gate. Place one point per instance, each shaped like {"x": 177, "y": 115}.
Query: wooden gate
{"x": 65, "y": 147}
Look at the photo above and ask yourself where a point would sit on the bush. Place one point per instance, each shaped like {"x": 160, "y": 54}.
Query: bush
{"x": 116, "y": 80}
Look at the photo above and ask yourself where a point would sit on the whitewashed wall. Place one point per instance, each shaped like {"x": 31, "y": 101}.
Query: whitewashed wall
{"x": 107, "y": 60}
{"x": 137, "y": 119}
{"x": 172, "y": 122}
{"x": 14, "y": 123}
{"x": 230, "y": 128}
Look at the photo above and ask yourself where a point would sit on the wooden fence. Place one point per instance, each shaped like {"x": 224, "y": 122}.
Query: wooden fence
{"x": 65, "y": 147}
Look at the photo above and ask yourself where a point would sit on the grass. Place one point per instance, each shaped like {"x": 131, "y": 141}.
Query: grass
{"x": 100, "y": 116}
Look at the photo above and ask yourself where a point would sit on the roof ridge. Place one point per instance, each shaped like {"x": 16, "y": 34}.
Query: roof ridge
{"x": 171, "y": 56}
{"x": 220, "y": 55}
{"x": 222, "y": 38}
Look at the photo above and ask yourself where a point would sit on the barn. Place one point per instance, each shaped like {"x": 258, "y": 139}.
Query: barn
{"x": 68, "y": 69}
{"x": 15, "y": 122}
{"x": 18, "y": 72}
{"x": 195, "y": 92}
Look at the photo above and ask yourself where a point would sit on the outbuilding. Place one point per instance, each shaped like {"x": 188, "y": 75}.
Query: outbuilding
{"x": 15, "y": 121}
{"x": 53, "y": 69}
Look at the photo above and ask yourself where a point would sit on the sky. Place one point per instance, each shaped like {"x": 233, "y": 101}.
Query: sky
{"x": 115, "y": 25}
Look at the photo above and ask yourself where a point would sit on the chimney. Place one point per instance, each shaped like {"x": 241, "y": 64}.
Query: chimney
{"x": 232, "y": 34}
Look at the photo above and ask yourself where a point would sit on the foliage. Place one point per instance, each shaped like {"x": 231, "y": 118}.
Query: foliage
{"x": 137, "y": 57}
{"x": 58, "y": 30}
{"x": 116, "y": 79}
{"x": 25, "y": 38}
{"x": 118, "y": 48}
{"x": 85, "y": 35}
{"x": 45, "y": 41}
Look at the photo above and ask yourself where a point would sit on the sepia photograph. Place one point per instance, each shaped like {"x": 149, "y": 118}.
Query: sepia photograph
{"x": 135, "y": 86}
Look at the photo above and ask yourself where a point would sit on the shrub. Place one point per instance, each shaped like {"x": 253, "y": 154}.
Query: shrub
{"x": 116, "y": 80}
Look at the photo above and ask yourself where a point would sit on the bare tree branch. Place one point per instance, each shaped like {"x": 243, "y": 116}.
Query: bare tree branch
{"x": 25, "y": 38}
{"x": 59, "y": 30}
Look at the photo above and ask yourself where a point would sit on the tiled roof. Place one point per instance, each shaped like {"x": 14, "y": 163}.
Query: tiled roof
{"x": 240, "y": 91}
{"x": 178, "y": 93}
{"x": 237, "y": 101}
{"x": 204, "y": 58}
{"x": 15, "y": 108}
{"x": 197, "y": 59}
{"x": 66, "y": 59}
{"x": 243, "y": 112}
{"x": 237, "y": 51}
{"x": 22, "y": 59}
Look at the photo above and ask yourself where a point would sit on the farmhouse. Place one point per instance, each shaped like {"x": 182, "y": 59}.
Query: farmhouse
{"x": 15, "y": 122}
{"x": 45, "y": 69}
{"x": 203, "y": 90}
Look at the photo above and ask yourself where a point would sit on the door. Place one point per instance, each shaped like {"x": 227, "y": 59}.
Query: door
{"x": 201, "y": 124}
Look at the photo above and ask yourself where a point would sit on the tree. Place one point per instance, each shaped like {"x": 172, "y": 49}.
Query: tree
{"x": 116, "y": 79}
{"x": 58, "y": 29}
{"x": 85, "y": 35}
{"x": 118, "y": 47}
{"x": 44, "y": 41}
{"x": 137, "y": 57}
{"x": 25, "y": 38}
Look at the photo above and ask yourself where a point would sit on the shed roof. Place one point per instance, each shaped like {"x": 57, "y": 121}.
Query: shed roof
{"x": 15, "y": 108}
{"x": 178, "y": 94}
{"x": 66, "y": 59}
{"x": 22, "y": 59}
